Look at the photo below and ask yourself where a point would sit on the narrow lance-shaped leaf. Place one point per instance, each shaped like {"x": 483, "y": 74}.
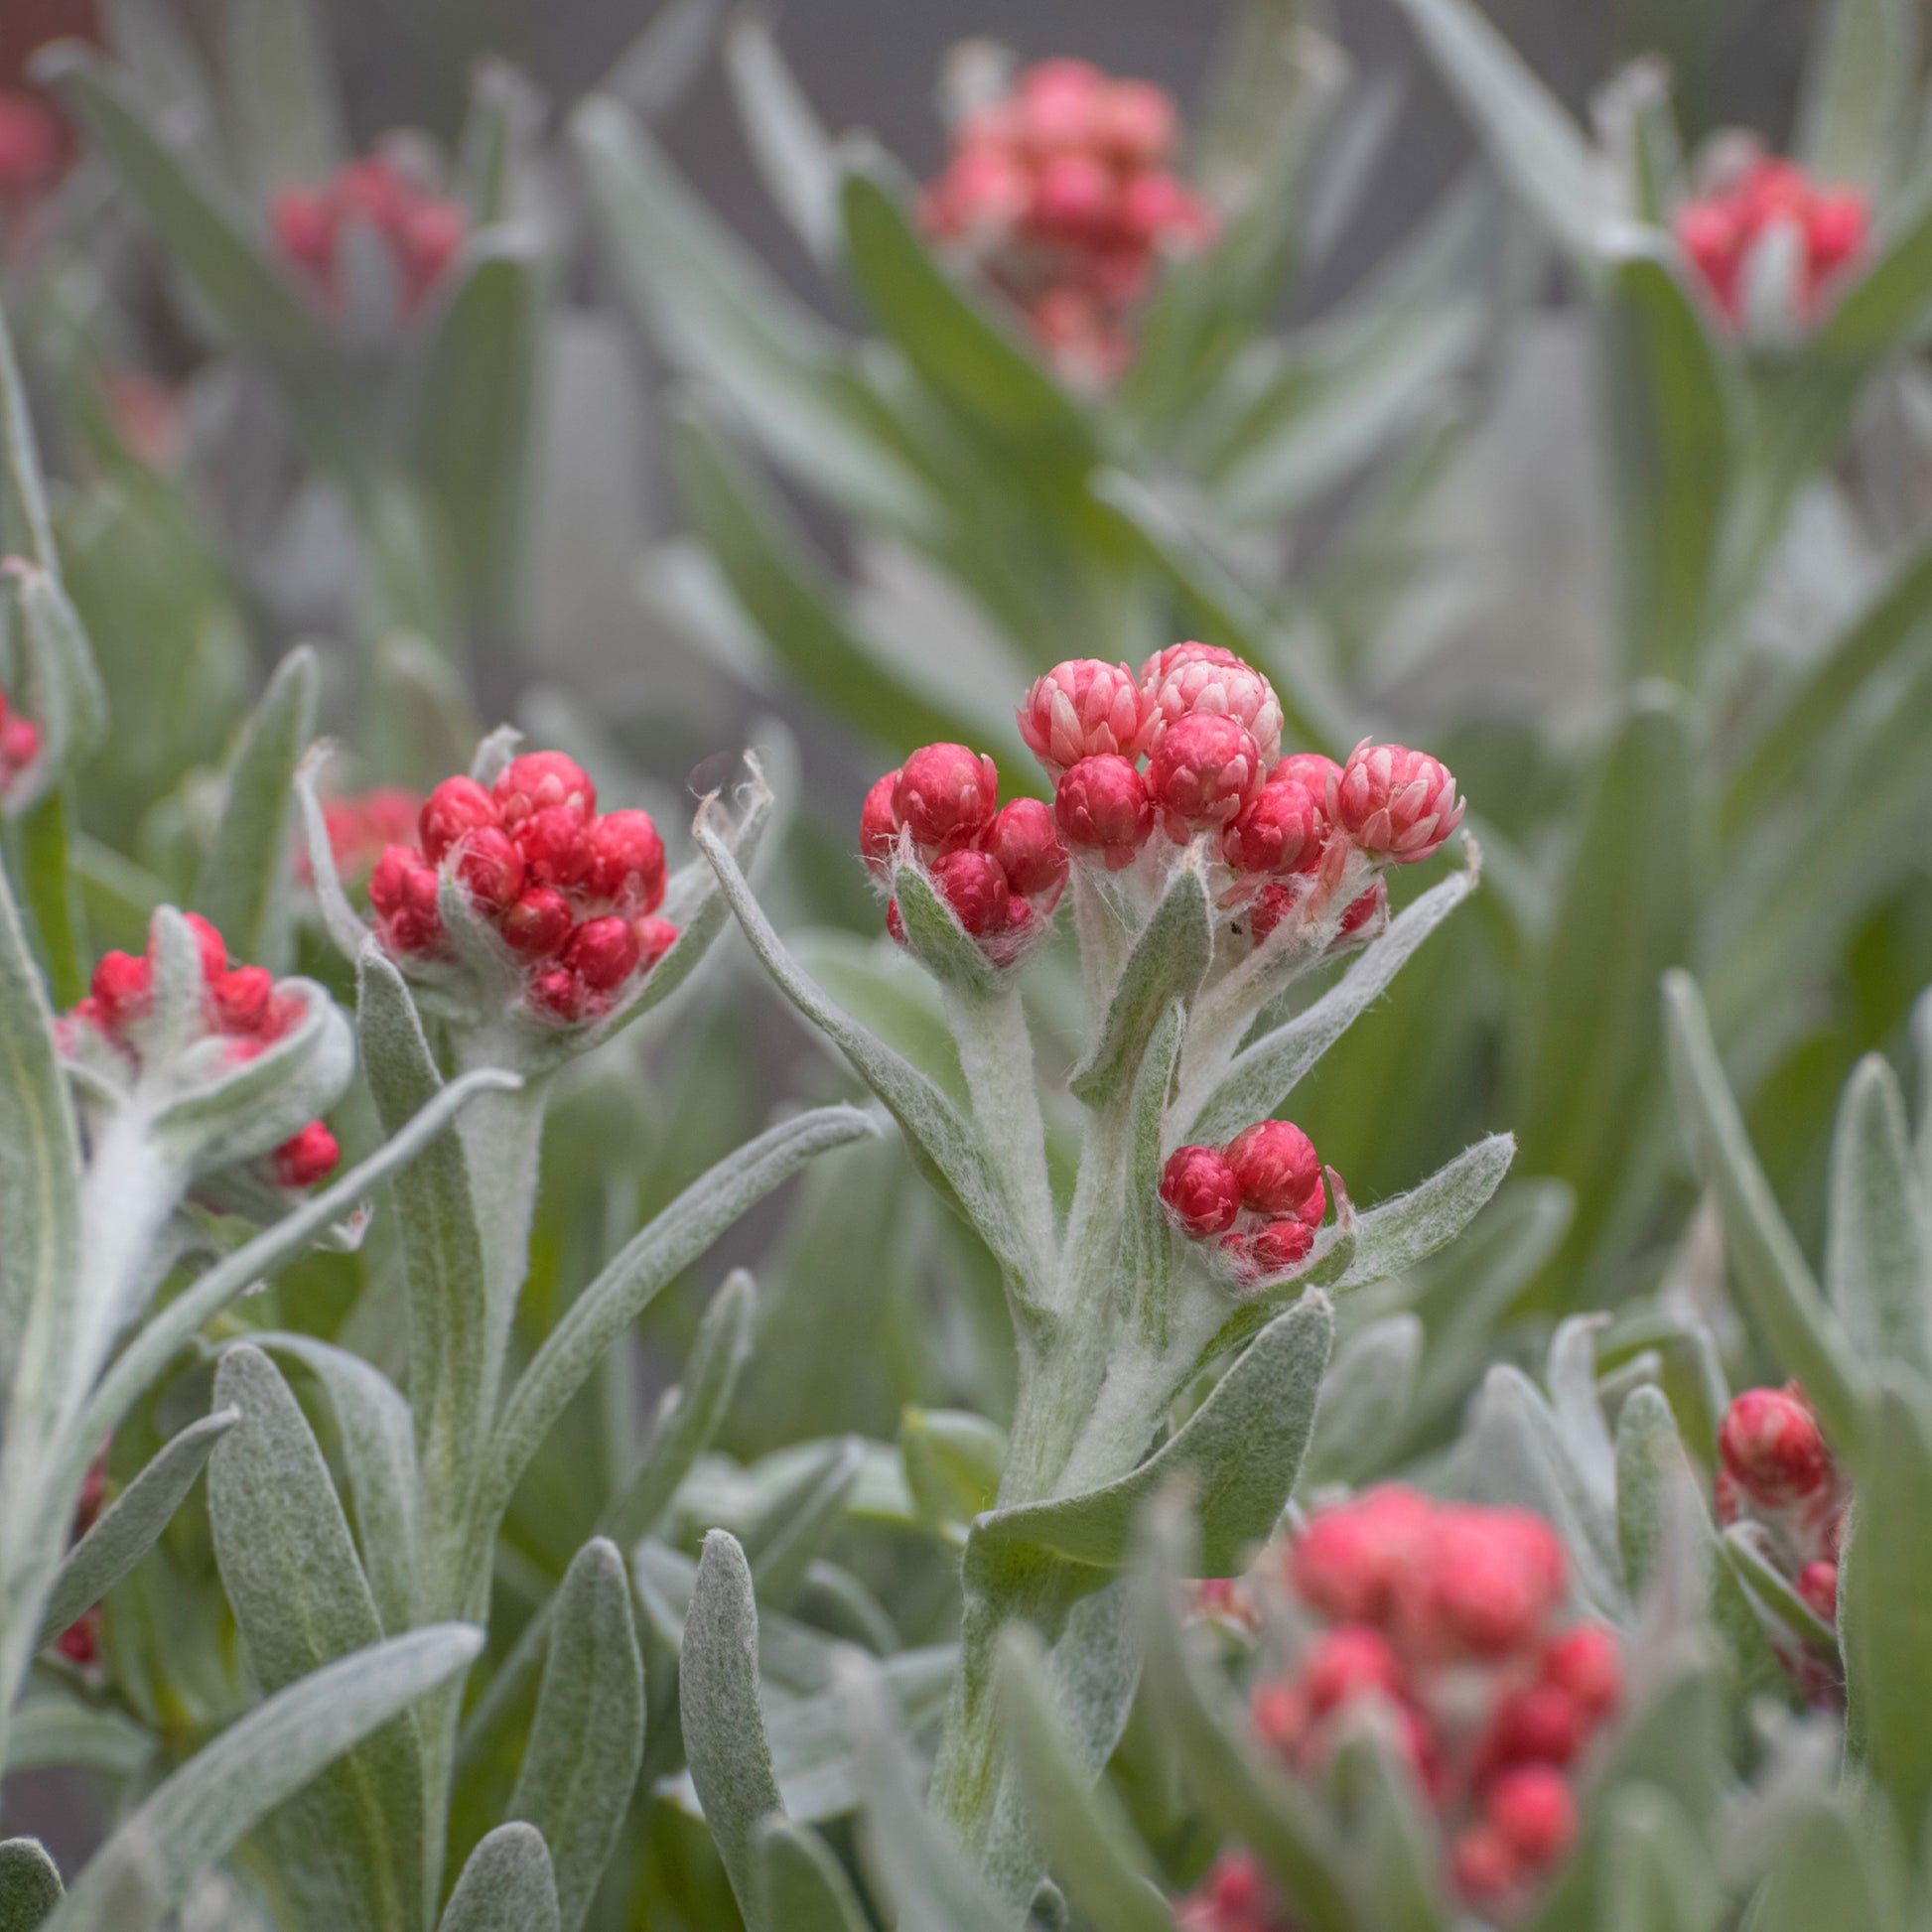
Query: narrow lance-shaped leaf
{"x": 506, "y": 1886}
{"x": 26, "y": 530}
{"x": 801, "y": 1885}
{"x": 130, "y": 1525}
{"x": 795, "y": 158}
{"x": 588, "y": 1736}
{"x": 1169, "y": 959}
{"x": 1858, "y": 101}
{"x": 718, "y": 1704}
{"x": 1366, "y": 1396}
{"x": 1394, "y": 1235}
{"x": 799, "y": 1522}
{"x": 280, "y": 89}
{"x": 201, "y": 1811}
{"x": 243, "y": 880}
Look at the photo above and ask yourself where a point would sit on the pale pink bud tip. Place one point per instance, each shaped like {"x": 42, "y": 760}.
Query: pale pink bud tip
{"x": 946, "y": 795}
{"x": 1191, "y": 681}
{"x": 303, "y": 1159}
{"x": 627, "y": 862}
{"x": 1199, "y": 1191}
{"x": 1397, "y": 804}
{"x": 1772, "y": 1447}
{"x": 1084, "y": 708}
{"x": 1202, "y": 774}
{"x": 1101, "y": 806}
{"x": 542, "y": 781}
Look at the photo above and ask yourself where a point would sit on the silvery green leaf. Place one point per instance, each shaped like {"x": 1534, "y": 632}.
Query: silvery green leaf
{"x": 1884, "y": 1610}
{"x": 588, "y": 1736}
{"x": 1243, "y": 1785}
{"x": 1241, "y": 1451}
{"x": 1364, "y": 1396}
{"x": 26, "y": 530}
{"x": 660, "y": 61}
{"x": 302, "y": 1601}
{"x": 802, "y": 1520}
{"x": 1570, "y": 1377}
{"x": 918, "y": 1871}
{"x": 376, "y": 1432}
{"x": 495, "y": 149}
{"x": 176, "y": 1325}
{"x": 506, "y": 1886}
{"x": 947, "y": 1146}
{"x": 1829, "y": 1869}
{"x": 718, "y": 1704}
{"x": 933, "y": 934}
{"x": 1169, "y": 956}
{"x": 30, "y": 1884}
{"x": 793, "y": 155}
{"x": 953, "y": 1461}
{"x": 1878, "y": 1231}
{"x": 1086, "y": 1838}
{"x": 243, "y": 884}
{"x": 1766, "y": 1263}
{"x": 1262, "y": 1075}
{"x": 1656, "y": 1875}
{"x": 1393, "y": 1235}
{"x": 1401, "y": 1845}
{"x": 280, "y": 89}
{"x": 129, "y": 1526}
{"x": 651, "y": 1259}
{"x": 1858, "y": 92}
{"x": 200, "y": 1814}
{"x": 793, "y": 1656}
{"x": 801, "y": 1885}
{"x": 52, "y": 1728}
{"x": 1649, "y": 1461}
{"x": 1774, "y": 1597}
{"x": 1147, "y": 1247}
{"x": 343, "y": 923}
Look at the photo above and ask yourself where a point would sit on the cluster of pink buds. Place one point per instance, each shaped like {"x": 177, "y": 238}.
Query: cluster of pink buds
{"x": 1720, "y": 231}
{"x": 1452, "y": 1617}
{"x": 1776, "y": 1474}
{"x": 1258, "y": 1200}
{"x": 240, "y": 1006}
{"x": 20, "y": 744}
{"x": 1000, "y": 868}
{"x": 1191, "y": 748}
{"x": 79, "y": 1642}
{"x": 1061, "y": 195}
{"x": 420, "y": 231}
{"x": 362, "y": 829}
{"x": 572, "y": 894}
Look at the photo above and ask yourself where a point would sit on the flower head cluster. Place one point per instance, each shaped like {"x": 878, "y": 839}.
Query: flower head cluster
{"x": 419, "y": 233}
{"x": 1258, "y": 1200}
{"x": 1063, "y": 196}
{"x": 362, "y": 828}
{"x": 20, "y": 744}
{"x": 1723, "y": 230}
{"x": 1452, "y": 1617}
{"x": 1001, "y": 868}
{"x": 571, "y": 894}
{"x": 1776, "y": 1474}
{"x": 242, "y": 1012}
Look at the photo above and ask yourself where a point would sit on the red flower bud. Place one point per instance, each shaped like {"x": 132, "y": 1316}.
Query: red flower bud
{"x": 1084, "y": 708}
{"x": 1586, "y": 1662}
{"x": 1278, "y": 1170}
{"x": 1101, "y": 805}
{"x": 1281, "y": 830}
{"x": 558, "y": 993}
{"x": 1532, "y": 1810}
{"x": 542, "y": 781}
{"x": 895, "y": 922}
{"x": 1135, "y": 122}
{"x": 1772, "y": 1448}
{"x": 628, "y": 860}
{"x": 304, "y": 1158}
{"x": 1817, "y": 1586}
{"x": 538, "y": 925}
{"x": 241, "y": 999}
{"x": 602, "y": 953}
{"x": 655, "y": 938}
{"x": 1271, "y": 1249}
{"x": 947, "y": 795}
{"x": 556, "y": 847}
{"x": 1022, "y": 841}
{"x": 491, "y": 867}
{"x": 1487, "y": 1581}
{"x": 79, "y": 1642}
{"x": 20, "y": 744}
{"x": 1281, "y": 1717}
{"x": 1199, "y": 1191}
{"x": 387, "y": 876}
{"x": 1538, "y": 1724}
{"x": 1347, "y": 1662}
{"x": 975, "y": 887}
{"x": 1349, "y": 1557}
{"x": 1484, "y": 1870}
{"x": 1395, "y": 803}
{"x": 878, "y": 823}
{"x": 1203, "y": 771}
{"x": 1072, "y": 195}
{"x": 1272, "y": 905}
{"x": 1188, "y": 680}
{"x": 1361, "y": 909}
{"x": 122, "y": 987}
{"x": 453, "y": 810}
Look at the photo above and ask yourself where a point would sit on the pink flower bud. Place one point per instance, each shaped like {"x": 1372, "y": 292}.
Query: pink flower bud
{"x": 1281, "y": 1717}
{"x": 1072, "y": 195}
{"x": 1276, "y": 1166}
{"x": 1158, "y": 212}
{"x": 1347, "y": 1662}
{"x": 542, "y": 781}
{"x": 1484, "y": 1870}
{"x": 1101, "y": 805}
{"x": 1059, "y": 101}
{"x": 1273, "y": 903}
{"x": 303, "y": 1159}
{"x": 304, "y": 226}
{"x": 1082, "y": 709}
{"x": 491, "y": 867}
{"x": 1156, "y": 669}
{"x": 1817, "y": 1587}
{"x": 1488, "y": 1583}
{"x": 1395, "y": 803}
{"x": 1199, "y": 1191}
{"x": 1203, "y": 769}
{"x": 556, "y": 846}
{"x": 1346, "y": 1559}
{"x": 122, "y": 987}
{"x": 1839, "y": 228}
{"x": 1281, "y": 830}
{"x": 1533, "y": 1810}
{"x": 1269, "y": 1250}
{"x": 1363, "y": 908}
{"x": 30, "y": 145}
{"x": 1309, "y": 770}
{"x": 655, "y": 938}
{"x": 947, "y": 794}
{"x": 975, "y": 887}
{"x": 1587, "y": 1664}
{"x": 558, "y": 992}
{"x": 1190, "y": 682}
{"x": 602, "y": 953}
{"x": 431, "y": 233}
{"x": 1772, "y": 1448}
{"x": 241, "y": 998}
{"x": 387, "y": 876}
{"x": 895, "y": 922}
{"x": 628, "y": 860}
{"x": 453, "y": 810}
{"x": 878, "y": 823}
{"x": 20, "y": 744}
{"x": 79, "y": 1642}
{"x": 1022, "y": 841}
{"x": 1135, "y": 122}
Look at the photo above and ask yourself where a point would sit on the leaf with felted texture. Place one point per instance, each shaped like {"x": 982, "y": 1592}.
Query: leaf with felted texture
{"x": 1656, "y": 1875}
{"x": 300, "y": 1597}
{"x": 718, "y": 1704}
{"x": 588, "y": 1737}
{"x": 30, "y": 1884}
{"x": 280, "y": 91}
{"x": 52, "y": 1728}
{"x": 953, "y": 1461}
{"x": 799, "y": 1522}
{"x": 197, "y": 1817}
{"x": 1364, "y": 1396}
{"x": 26, "y": 530}
{"x": 1394, "y": 1235}
{"x": 802, "y": 1887}
{"x": 506, "y": 1886}
{"x": 132, "y": 1523}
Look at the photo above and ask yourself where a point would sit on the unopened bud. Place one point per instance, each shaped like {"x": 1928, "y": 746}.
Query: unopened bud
{"x": 628, "y": 860}
{"x": 1396, "y": 804}
{"x": 1086, "y": 708}
{"x": 450, "y": 813}
{"x": 1279, "y": 830}
{"x": 879, "y": 824}
{"x": 1817, "y": 1586}
{"x": 973, "y": 884}
{"x": 556, "y": 847}
{"x": 1200, "y": 774}
{"x": 947, "y": 795}
{"x": 1278, "y": 1170}
{"x": 490, "y": 867}
{"x": 602, "y": 953}
{"x": 542, "y": 781}
{"x": 303, "y": 1159}
{"x": 1191, "y": 683}
{"x": 1772, "y": 1447}
{"x": 1199, "y": 1191}
{"x": 1022, "y": 841}
{"x": 1101, "y": 806}
{"x": 538, "y": 925}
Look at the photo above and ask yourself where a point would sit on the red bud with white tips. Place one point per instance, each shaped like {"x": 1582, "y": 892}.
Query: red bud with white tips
{"x": 946, "y": 796}
{"x": 1086, "y": 708}
{"x": 1188, "y": 682}
{"x": 1199, "y": 1191}
{"x": 1772, "y": 1447}
{"x": 1396, "y": 804}
{"x": 1102, "y": 809}
{"x": 1202, "y": 772}
{"x": 1022, "y": 841}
